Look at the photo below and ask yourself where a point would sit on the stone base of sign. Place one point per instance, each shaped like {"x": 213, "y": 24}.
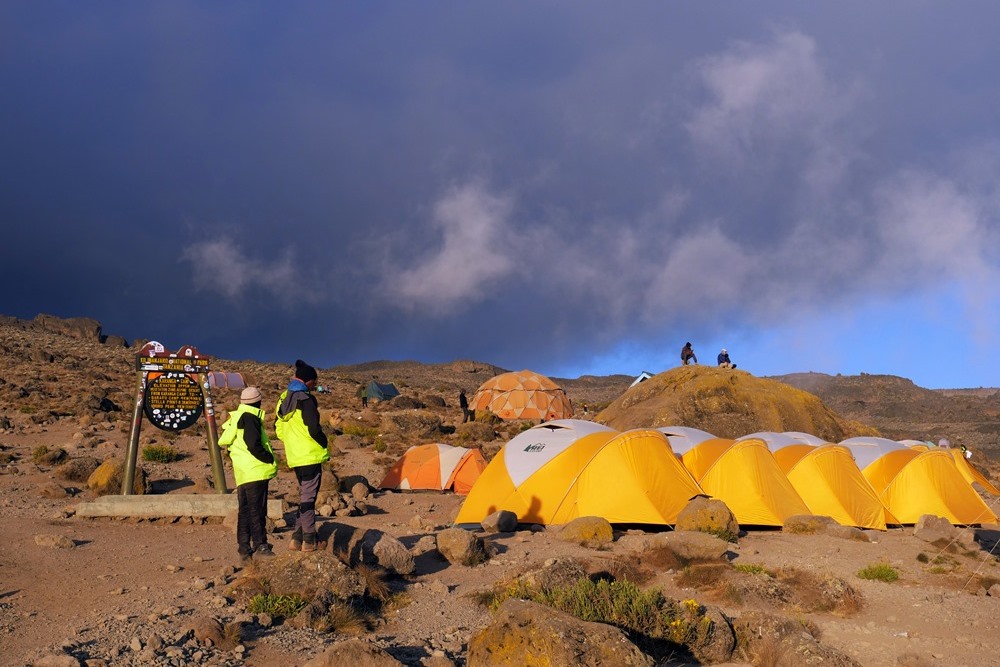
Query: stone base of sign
{"x": 193, "y": 505}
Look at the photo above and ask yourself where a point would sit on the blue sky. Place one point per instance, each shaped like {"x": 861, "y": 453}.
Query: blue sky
{"x": 571, "y": 187}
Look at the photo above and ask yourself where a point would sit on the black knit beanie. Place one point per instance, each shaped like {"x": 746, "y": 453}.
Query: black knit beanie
{"x": 304, "y": 371}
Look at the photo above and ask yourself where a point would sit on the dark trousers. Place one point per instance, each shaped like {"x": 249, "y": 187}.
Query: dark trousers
{"x": 251, "y": 522}
{"x": 309, "y": 478}
{"x": 467, "y": 415}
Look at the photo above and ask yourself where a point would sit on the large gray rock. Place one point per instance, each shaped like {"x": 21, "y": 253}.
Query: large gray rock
{"x": 525, "y": 629}
{"x": 78, "y": 469}
{"x": 555, "y": 573}
{"x": 935, "y": 529}
{"x": 501, "y": 521}
{"x": 309, "y": 573}
{"x": 353, "y": 652}
{"x": 760, "y": 634}
{"x": 370, "y": 547}
{"x": 461, "y": 547}
{"x": 695, "y": 546}
{"x": 708, "y": 515}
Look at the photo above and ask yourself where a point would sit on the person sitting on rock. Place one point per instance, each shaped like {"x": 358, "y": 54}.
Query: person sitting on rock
{"x": 724, "y": 361}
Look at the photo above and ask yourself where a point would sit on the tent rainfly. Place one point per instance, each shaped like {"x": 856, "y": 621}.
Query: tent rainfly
{"x": 558, "y": 471}
{"x": 381, "y": 392}
{"x": 436, "y": 466}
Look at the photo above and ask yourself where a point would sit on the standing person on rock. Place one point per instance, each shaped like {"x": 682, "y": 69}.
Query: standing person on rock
{"x": 253, "y": 466}
{"x": 687, "y": 354}
{"x": 305, "y": 449}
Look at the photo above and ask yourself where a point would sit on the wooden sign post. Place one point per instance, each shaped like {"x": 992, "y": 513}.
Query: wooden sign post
{"x": 172, "y": 392}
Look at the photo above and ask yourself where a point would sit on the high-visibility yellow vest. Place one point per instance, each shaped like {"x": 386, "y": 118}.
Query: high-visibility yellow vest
{"x": 246, "y": 466}
{"x": 300, "y": 448}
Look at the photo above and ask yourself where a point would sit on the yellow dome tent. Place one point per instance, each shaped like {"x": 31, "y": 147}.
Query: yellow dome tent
{"x": 911, "y": 483}
{"x": 558, "y": 471}
{"x": 826, "y": 478}
{"x": 745, "y": 476}
{"x": 522, "y": 395}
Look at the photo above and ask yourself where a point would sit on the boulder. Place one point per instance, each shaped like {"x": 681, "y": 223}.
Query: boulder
{"x": 371, "y": 547}
{"x": 107, "y": 479}
{"x": 309, "y": 573}
{"x": 695, "y": 546}
{"x": 54, "y": 541}
{"x": 761, "y": 636}
{"x": 590, "y": 531}
{"x": 78, "y": 470}
{"x": 422, "y": 424}
{"x": 461, "y": 547}
{"x": 501, "y": 521}
{"x": 528, "y": 633}
{"x": 360, "y": 491}
{"x": 708, "y": 515}
{"x": 933, "y": 529}
{"x": 83, "y": 328}
{"x": 555, "y": 573}
{"x": 807, "y": 524}
{"x": 347, "y": 483}
{"x": 51, "y": 490}
{"x": 353, "y": 652}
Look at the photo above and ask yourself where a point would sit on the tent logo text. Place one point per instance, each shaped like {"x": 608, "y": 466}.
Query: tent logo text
{"x": 537, "y": 447}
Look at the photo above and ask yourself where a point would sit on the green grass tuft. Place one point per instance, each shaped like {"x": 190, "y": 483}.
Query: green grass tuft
{"x": 284, "y": 606}
{"x": 879, "y": 572}
{"x": 160, "y": 453}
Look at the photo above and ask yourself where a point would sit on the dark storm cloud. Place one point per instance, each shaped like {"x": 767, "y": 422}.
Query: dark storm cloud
{"x": 351, "y": 181}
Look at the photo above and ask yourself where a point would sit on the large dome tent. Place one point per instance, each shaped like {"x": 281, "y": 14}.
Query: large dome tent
{"x": 522, "y": 395}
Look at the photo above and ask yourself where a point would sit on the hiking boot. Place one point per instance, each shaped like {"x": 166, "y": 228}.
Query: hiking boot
{"x": 245, "y": 559}
{"x": 263, "y": 552}
{"x": 309, "y": 542}
{"x": 296, "y": 543}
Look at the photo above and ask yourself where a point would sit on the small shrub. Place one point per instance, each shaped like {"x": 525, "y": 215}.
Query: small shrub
{"x": 753, "y": 568}
{"x": 525, "y": 426}
{"x": 26, "y": 409}
{"x": 284, "y": 606}
{"x": 923, "y": 558}
{"x": 342, "y": 617}
{"x": 379, "y": 445}
{"x": 360, "y": 430}
{"x": 879, "y": 572}
{"x": 160, "y": 453}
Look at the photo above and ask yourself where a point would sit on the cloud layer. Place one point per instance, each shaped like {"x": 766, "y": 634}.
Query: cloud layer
{"x": 572, "y": 190}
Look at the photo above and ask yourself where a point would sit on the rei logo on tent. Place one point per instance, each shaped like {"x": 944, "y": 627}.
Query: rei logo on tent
{"x": 537, "y": 447}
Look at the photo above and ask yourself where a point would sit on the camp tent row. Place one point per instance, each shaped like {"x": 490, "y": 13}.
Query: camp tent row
{"x": 557, "y": 471}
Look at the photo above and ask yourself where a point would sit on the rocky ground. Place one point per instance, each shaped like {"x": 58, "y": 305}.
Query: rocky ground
{"x": 103, "y": 591}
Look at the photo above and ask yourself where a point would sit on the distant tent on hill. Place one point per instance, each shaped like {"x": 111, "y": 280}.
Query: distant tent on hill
{"x": 744, "y": 475}
{"x": 436, "y": 466}
{"x": 381, "y": 392}
{"x": 642, "y": 377}
{"x": 558, "y": 471}
{"x": 522, "y": 395}
{"x": 826, "y": 478}
{"x": 221, "y": 380}
{"x": 911, "y": 483}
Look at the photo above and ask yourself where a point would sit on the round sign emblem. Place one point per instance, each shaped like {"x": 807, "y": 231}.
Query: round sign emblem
{"x": 173, "y": 401}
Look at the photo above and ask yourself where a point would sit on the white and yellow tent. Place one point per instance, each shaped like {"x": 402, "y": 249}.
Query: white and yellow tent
{"x": 561, "y": 470}
{"x": 911, "y": 483}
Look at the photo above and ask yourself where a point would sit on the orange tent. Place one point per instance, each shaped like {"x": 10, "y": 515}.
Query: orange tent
{"x": 522, "y": 395}
{"x": 436, "y": 466}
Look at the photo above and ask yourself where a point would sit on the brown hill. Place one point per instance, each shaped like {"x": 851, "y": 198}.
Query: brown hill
{"x": 900, "y": 409}
{"x": 726, "y": 403}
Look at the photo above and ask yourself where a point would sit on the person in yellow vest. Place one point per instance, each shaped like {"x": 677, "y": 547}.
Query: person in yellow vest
{"x": 305, "y": 449}
{"x": 253, "y": 466}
